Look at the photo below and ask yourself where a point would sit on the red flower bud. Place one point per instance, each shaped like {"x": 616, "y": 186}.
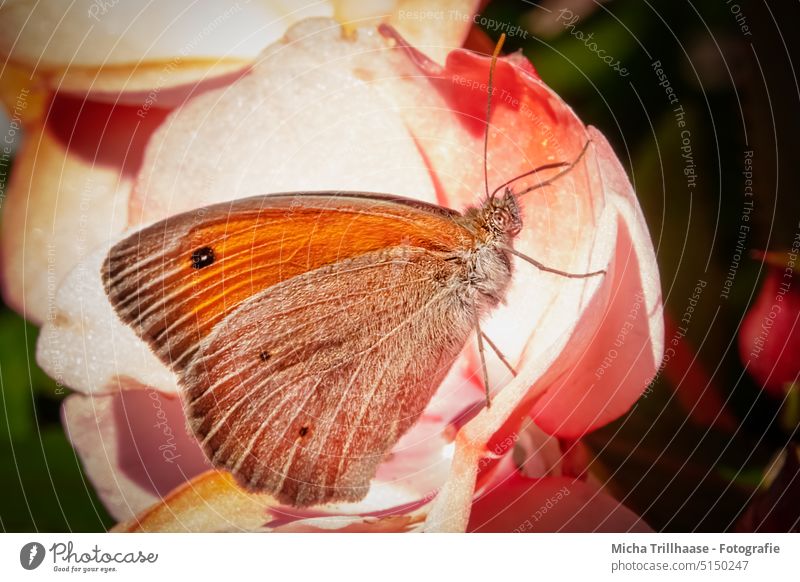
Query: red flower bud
{"x": 769, "y": 339}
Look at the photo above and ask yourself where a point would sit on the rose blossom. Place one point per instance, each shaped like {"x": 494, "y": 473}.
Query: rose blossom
{"x": 319, "y": 110}
{"x": 90, "y": 81}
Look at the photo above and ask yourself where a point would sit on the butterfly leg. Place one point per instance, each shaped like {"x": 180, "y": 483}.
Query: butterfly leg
{"x": 483, "y": 360}
{"x": 481, "y": 337}
{"x": 546, "y": 269}
{"x": 499, "y": 354}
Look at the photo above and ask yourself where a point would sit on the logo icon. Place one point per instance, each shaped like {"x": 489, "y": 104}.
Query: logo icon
{"x": 31, "y": 555}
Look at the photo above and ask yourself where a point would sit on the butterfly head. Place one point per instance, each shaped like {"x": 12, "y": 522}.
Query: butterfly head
{"x": 501, "y": 216}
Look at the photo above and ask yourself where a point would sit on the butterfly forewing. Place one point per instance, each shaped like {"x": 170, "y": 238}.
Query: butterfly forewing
{"x": 308, "y": 331}
{"x": 177, "y": 279}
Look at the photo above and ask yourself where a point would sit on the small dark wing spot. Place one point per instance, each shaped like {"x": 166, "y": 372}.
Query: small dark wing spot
{"x": 202, "y": 257}
{"x": 441, "y": 276}
{"x": 264, "y": 356}
{"x": 303, "y": 431}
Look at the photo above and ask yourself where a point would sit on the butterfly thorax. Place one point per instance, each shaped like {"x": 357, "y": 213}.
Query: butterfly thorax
{"x": 488, "y": 263}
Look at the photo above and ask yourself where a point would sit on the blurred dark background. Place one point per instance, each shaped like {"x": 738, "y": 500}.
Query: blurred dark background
{"x": 693, "y": 453}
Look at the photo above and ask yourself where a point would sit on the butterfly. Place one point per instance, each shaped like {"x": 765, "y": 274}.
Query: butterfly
{"x": 309, "y": 331}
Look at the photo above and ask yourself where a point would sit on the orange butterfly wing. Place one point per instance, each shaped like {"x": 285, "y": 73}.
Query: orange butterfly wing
{"x": 175, "y": 280}
{"x": 308, "y": 332}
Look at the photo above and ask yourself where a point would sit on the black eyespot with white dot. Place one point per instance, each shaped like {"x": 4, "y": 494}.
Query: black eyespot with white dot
{"x": 202, "y": 257}
{"x": 303, "y": 431}
{"x": 264, "y": 356}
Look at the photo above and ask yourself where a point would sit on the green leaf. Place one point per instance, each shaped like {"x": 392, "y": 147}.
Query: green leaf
{"x": 21, "y": 380}
{"x": 44, "y": 488}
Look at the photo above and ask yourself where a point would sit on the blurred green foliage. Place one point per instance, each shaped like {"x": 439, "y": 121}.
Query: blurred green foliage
{"x": 43, "y": 487}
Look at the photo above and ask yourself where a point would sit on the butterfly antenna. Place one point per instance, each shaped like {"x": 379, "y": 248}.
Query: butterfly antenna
{"x": 568, "y": 167}
{"x": 489, "y": 112}
{"x": 536, "y": 170}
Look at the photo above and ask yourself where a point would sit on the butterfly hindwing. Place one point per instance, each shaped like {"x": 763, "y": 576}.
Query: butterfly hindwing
{"x": 306, "y": 386}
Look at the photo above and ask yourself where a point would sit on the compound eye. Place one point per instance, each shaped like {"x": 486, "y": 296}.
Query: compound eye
{"x": 506, "y": 218}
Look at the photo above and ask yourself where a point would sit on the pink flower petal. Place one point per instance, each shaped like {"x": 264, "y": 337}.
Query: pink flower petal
{"x": 67, "y": 195}
{"x": 395, "y": 130}
{"x": 769, "y": 339}
{"x": 544, "y": 130}
{"x": 133, "y": 445}
{"x": 626, "y": 350}
{"x": 553, "y": 504}
{"x": 84, "y": 344}
{"x": 571, "y": 333}
{"x": 89, "y": 46}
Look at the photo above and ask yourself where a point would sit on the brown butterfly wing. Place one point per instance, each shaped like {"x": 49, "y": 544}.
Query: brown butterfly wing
{"x": 177, "y": 279}
{"x": 304, "y": 389}
{"x": 273, "y": 331}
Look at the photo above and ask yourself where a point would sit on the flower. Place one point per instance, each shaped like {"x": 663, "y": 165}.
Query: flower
{"x": 90, "y": 83}
{"x": 542, "y": 494}
{"x": 769, "y": 339}
{"x": 519, "y": 504}
{"x": 367, "y": 112}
